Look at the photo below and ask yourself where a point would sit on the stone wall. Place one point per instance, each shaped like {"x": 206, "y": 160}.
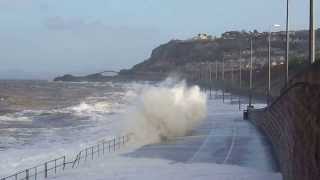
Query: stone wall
{"x": 292, "y": 124}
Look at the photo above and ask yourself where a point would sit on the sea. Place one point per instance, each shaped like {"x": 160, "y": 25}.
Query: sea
{"x": 40, "y": 120}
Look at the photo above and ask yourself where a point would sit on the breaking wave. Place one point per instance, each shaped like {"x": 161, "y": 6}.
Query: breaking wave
{"x": 167, "y": 111}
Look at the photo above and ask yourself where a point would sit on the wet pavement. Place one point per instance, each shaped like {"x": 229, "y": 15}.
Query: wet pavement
{"x": 223, "y": 138}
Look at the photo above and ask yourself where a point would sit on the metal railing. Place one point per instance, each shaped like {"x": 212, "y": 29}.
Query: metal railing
{"x": 232, "y": 99}
{"x": 54, "y": 166}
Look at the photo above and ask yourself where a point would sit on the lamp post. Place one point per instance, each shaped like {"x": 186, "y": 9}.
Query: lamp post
{"x": 312, "y": 34}
{"x": 240, "y": 71}
{"x": 287, "y": 46}
{"x": 240, "y": 79}
{"x": 232, "y": 79}
{"x": 269, "y": 63}
{"x": 251, "y": 69}
{"x": 210, "y": 79}
{"x": 223, "y": 79}
{"x": 217, "y": 70}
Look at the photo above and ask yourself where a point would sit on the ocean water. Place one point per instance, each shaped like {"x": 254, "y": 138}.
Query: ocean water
{"x": 41, "y": 120}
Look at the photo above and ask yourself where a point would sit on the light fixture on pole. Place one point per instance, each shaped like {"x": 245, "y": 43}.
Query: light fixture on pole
{"x": 251, "y": 71}
{"x": 287, "y": 46}
{"x": 223, "y": 84}
{"x": 240, "y": 71}
{"x": 240, "y": 79}
{"x": 312, "y": 34}
{"x": 269, "y": 62}
{"x": 217, "y": 70}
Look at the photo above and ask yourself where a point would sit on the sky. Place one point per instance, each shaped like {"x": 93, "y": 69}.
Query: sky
{"x": 40, "y": 39}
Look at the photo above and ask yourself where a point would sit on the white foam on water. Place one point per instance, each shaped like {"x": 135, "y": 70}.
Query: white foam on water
{"x": 153, "y": 112}
{"x": 104, "y": 117}
{"x": 104, "y": 107}
{"x": 14, "y": 117}
{"x": 166, "y": 111}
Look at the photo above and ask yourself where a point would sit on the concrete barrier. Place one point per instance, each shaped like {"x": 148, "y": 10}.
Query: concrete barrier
{"x": 292, "y": 124}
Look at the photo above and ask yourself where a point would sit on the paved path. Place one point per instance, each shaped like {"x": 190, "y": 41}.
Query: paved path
{"x": 223, "y": 138}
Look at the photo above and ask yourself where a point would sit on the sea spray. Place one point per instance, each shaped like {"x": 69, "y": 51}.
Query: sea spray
{"x": 166, "y": 111}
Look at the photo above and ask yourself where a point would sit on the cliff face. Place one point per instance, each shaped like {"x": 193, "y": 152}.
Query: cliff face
{"x": 89, "y": 78}
{"x": 169, "y": 56}
{"x": 178, "y": 55}
{"x": 194, "y": 56}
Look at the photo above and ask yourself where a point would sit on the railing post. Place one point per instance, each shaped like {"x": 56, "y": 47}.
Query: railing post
{"x": 75, "y": 161}
{"x": 45, "y": 170}
{"x": 55, "y": 166}
{"x": 103, "y": 147}
{"x": 79, "y": 157}
{"x": 114, "y": 141}
{"x": 27, "y": 174}
{"x": 223, "y": 95}
{"x": 92, "y": 152}
{"x": 85, "y": 157}
{"x": 98, "y": 150}
{"x": 35, "y": 173}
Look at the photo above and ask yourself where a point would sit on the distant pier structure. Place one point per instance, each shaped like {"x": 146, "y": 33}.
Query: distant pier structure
{"x": 110, "y": 73}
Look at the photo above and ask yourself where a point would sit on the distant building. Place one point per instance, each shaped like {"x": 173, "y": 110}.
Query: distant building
{"x": 202, "y": 36}
{"x": 235, "y": 35}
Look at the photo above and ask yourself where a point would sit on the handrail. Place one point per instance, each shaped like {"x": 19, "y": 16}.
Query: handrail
{"x": 60, "y": 163}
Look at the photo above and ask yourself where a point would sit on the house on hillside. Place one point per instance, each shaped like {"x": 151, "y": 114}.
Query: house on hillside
{"x": 202, "y": 36}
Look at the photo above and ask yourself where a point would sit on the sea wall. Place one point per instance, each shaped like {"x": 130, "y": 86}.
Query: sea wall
{"x": 292, "y": 123}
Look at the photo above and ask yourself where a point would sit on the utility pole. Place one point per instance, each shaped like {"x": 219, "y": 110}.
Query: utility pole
{"x": 232, "y": 74}
{"x": 232, "y": 79}
{"x": 223, "y": 79}
{"x": 217, "y": 70}
{"x": 240, "y": 80}
{"x": 210, "y": 72}
{"x": 240, "y": 71}
{"x": 312, "y": 34}
{"x": 269, "y": 70}
{"x": 223, "y": 69}
{"x": 269, "y": 63}
{"x": 251, "y": 72}
{"x": 287, "y": 47}
{"x": 210, "y": 79}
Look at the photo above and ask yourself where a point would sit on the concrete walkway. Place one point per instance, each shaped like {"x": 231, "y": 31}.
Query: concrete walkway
{"x": 224, "y": 147}
{"x": 223, "y": 138}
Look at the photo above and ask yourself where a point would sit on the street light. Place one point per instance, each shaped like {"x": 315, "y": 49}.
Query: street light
{"x": 240, "y": 80}
{"x": 287, "y": 46}
{"x": 240, "y": 71}
{"x": 312, "y": 34}
{"x": 217, "y": 70}
{"x": 251, "y": 69}
{"x": 223, "y": 84}
{"x": 269, "y": 62}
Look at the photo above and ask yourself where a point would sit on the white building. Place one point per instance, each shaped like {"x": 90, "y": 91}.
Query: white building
{"x": 202, "y": 36}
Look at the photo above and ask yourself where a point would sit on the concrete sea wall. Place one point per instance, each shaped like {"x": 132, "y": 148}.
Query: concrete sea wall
{"x": 292, "y": 124}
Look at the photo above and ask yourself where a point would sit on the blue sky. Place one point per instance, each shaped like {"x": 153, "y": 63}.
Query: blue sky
{"x": 45, "y": 38}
